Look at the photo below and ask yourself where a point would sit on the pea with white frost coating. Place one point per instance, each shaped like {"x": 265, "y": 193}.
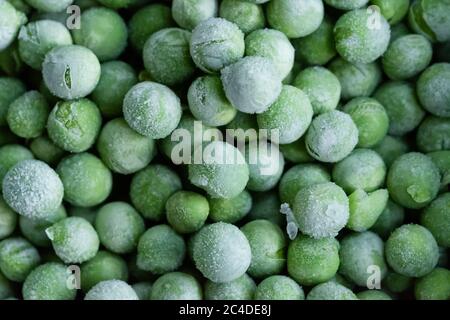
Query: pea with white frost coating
{"x": 50, "y": 5}
{"x": 45, "y": 150}
{"x": 290, "y": 115}
{"x": 8, "y": 220}
{"x": 295, "y": 18}
{"x": 331, "y": 137}
{"x": 71, "y": 72}
{"x": 119, "y": 227}
{"x": 152, "y": 109}
{"x": 12, "y": 20}
{"x": 187, "y": 211}
{"x": 176, "y": 286}
{"x": 33, "y": 189}
{"x": 37, "y": 38}
{"x": 279, "y": 287}
{"x": 433, "y": 134}
{"x": 188, "y": 14}
{"x": 393, "y": 11}
{"x": 436, "y": 219}
{"x": 321, "y": 210}
{"x": 17, "y": 258}
{"x": 251, "y": 84}
{"x": 208, "y": 103}
{"x": 223, "y": 172}
{"x": 246, "y": 15}
{"x": 330, "y": 291}
{"x": 215, "y": 44}
{"x": 274, "y": 45}
{"x": 166, "y": 56}
{"x": 160, "y": 250}
{"x": 10, "y": 155}
{"x": 111, "y": 290}
{"x": 429, "y": 17}
{"x": 230, "y": 210}
{"x": 365, "y": 208}
{"x": 347, "y": 4}
{"x": 74, "y": 240}
{"x": 122, "y": 149}
{"x": 87, "y": 181}
{"x": 242, "y": 288}
{"x": 221, "y": 252}
{"x": 268, "y": 247}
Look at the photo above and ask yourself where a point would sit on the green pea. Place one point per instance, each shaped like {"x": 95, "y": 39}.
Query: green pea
{"x": 435, "y": 219}
{"x": 242, "y": 288}
{"x": 330, "y": 291}
{"x": 434, "y": 286}
{"x": 111, "y": 290}
{"x": 17, "y": 258}
{"x": 279, "y": 288}
{"x": 246, "y": 15}
{"x": 188, "y": 14}
{"x": 176, "y": 286}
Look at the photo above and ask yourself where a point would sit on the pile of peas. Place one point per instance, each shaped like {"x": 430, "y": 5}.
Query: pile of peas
{"x": 358, "y": 90}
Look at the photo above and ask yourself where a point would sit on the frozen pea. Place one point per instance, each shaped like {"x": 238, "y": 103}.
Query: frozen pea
{"x": 166, "y": 56}
{"x": 331, "y": 137}
{"x": 48, "y": 282}
{"x": 10, "y": 155}
{"x": 318, "y": 47}
{"x": 371, "y": 119}
{"x": 87, "y": 181}
{"x": 358, "y": 253}
{"x": 242, "y": 288}
{"x": 397, "y": 283}
{"x": 321, "y": 86}
{"x": 143, "y": 290}
{"x": 357, "y": 41}
{"x": 74, "y": 125}
{"x": 27, "y": 115}
{"x": 151, "y": 188}
{"x": 433, "y": 89}
{"x": 362, "y": 169}
{"x": 187, "y": 211}
{"x": 246, "y": 15}
{"x": 393, "y": 11}
{"x": 313, "y": 261}
{"x": 45, "y": 150}
{"x": 434, "y": 286}
{"x": 215, "y": 44}
{"x": 429, "y": 17}
{"x": 266, "y": 205}
{"x": 442, "y": 160}
{"x": 299, "y": 177}
{"x": 171, "y": 148}
{"x": 296, "y": 152}
{"x": 74, "y": 240}
{"x": 413, "y": 180}
{"x": 365, "y": 208}
{"x": 400, "y": 101}
{"x": 176, "y": 286}
{"x": 152, "y": 109}
{"x": 407, "y": 56}
{"x": 34, "y": 229}
{"x": 119, "y": 227}
{"x": 118, "y": 4}
{"x": 71, "y": 71}
{"x": 11, "y": 21}
{"x": 346, "y": 4}
{"x": 189, "y": 13}
{"x": 230, "y": 210}
{"x": 289, "y": 115}
{"x": 295, "y": 18}
{"x": 8, "y": 220}
{"x": 50, "y": 5}
{"x": 390, "y": 148}
{"x": 122, "y": 149}
{"x": 10, "y": 90}
{"x": 222, "y": 173}
{"x": 390, "y": 219}
{"x": 111, "y": 290}
{"x": 104, "y": 32}
{"x": 33, "y": 189}
{"x": 373, "y": 295}
{"x": 147, "y": 21}
{"x": 412, "y": 251}
{"x": 265, "y": 164}
{"x": 251, "y": 84}
{"x": 357, "y": 79}
{"x": 104, "y": 266}
{"x": 208, "y": 103}
{"x": 160, "y": 250}
{"x": 6, "y": 290}
{"x": 17, "y": 258}
{"x": 433, "y": 134}
{"x": 274, "y": 45}
{"x": 436, "y": 218}
{"x": 279, "y": 287}
{"x": 117, "y": 77}
{"x": 321, "y": 210}
{"x": 331, "y": 291}
{"x": 268, "y": 246}
{"x": 221, "y": 252}
{"x": 37, "y": 38}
